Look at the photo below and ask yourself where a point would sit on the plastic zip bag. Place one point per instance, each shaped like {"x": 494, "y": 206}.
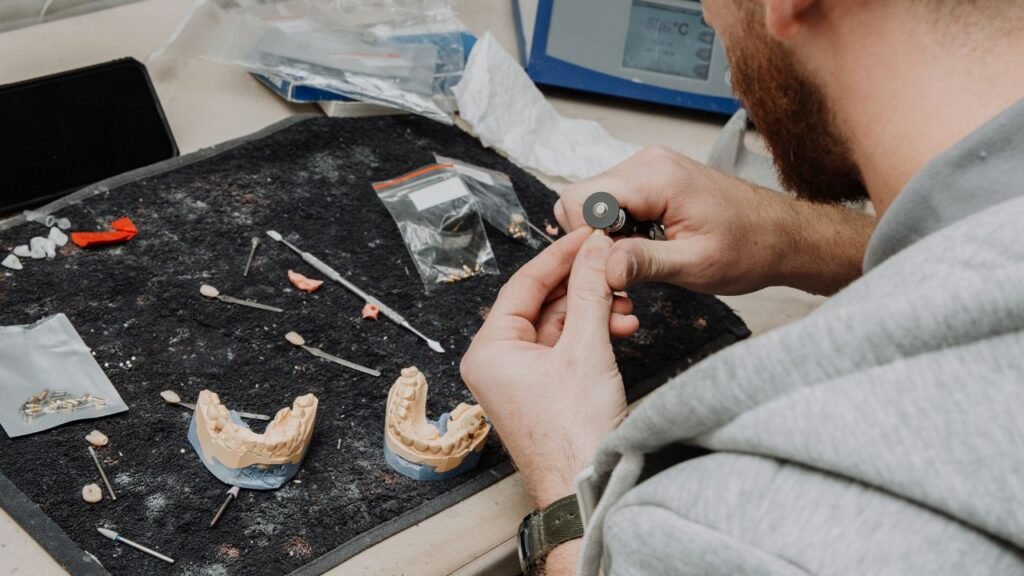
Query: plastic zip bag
{"x": 497, "y": 200}
{"x": 50, "y": 356}
{"x": 403, "y": 54}
{"x": 440, "y": 224}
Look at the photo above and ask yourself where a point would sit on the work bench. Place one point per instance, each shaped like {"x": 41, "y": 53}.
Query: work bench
{"x": 207, "y": 104}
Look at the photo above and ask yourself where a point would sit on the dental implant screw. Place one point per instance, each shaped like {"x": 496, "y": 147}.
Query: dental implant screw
{"x": 232, "y": 494}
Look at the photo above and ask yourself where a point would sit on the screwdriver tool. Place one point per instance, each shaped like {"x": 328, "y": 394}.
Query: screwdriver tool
{"x": 334, "y": 275}
{"x": 602, "y": 211}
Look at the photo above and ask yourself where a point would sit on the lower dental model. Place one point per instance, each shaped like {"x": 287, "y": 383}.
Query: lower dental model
{"x": 238, "y": 456}
{"x": 430, "y": 450}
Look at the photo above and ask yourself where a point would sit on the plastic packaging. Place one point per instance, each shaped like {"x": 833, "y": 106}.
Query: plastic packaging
{"x": 49, "y": 356}
{"x": 440, "y": 224}
{"x": 401, "y": 53}
{"x": 496, "y": 198}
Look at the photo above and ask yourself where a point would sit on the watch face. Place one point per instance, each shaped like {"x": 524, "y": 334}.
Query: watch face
{"x": 524, "y": 545}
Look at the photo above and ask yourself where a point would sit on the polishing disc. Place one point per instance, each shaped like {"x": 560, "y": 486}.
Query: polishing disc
{"x": 601, "y": 210}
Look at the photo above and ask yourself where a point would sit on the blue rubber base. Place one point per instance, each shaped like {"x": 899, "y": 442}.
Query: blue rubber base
{"x": 427, "y": 473}
{"x": 255, "y": 477}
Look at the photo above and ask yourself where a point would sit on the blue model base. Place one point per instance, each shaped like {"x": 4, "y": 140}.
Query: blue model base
{"x": 253, "y": 477}
{"x": 423, "y": 472}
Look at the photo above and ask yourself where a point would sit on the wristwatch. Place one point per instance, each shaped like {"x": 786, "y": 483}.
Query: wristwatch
{"x": 545, "y": 529}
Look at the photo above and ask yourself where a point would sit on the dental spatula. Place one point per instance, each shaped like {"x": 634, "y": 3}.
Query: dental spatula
{"x": 334, "y": 275}
{"x": 211, "y": 292}
{"x": 296, "y": 339}
{"x": 171, "y": 397}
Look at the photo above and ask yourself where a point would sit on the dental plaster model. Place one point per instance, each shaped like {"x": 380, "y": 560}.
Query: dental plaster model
{"x": 430, "y": 450}
{"x": 238, "y": 456}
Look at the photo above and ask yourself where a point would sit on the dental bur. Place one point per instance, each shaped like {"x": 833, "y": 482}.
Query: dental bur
{"x": 118, "y": 538}
{"x": 232, "y": 494}
{"x": 102, "y": 474}
{"x": 334, "y": 275}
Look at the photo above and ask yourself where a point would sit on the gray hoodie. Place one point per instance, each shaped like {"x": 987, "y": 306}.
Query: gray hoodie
{"x": 881, "y": 435}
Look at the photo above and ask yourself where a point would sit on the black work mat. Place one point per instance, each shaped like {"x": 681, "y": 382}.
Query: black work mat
{"x": 138, "y": 307}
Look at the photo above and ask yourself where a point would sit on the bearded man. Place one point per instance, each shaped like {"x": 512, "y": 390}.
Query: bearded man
{"x": 880, "y": 435}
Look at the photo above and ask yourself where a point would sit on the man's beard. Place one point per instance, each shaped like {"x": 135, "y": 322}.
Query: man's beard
{"x": 792, "y": 114}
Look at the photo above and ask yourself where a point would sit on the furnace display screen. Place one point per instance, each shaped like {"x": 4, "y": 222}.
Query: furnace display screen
{"x": 669, "y": 40}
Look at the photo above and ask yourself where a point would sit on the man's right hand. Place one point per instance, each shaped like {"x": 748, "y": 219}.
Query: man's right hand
{"x": 725, "y": 235}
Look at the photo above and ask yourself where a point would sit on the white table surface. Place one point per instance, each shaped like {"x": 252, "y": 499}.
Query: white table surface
{"x": 206, "y": 104}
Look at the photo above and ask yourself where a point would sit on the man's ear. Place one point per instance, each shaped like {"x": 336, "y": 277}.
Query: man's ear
{"x": 784, "y": 18}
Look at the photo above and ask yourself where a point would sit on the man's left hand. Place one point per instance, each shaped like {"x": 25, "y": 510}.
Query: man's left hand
{"x": 542, "y": 365}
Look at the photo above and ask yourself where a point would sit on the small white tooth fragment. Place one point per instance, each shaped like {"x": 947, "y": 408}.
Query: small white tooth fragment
{"x": 51, "y": 249}
{"x": 170, "y": 396}
{"x": 209, "y": 291}
{"x": 64, "y": 223}
{"x": 23, "y": 251}
{"x": 12, "y": 262}
{"x": 295, "y": 339}
{"x": 97, "y": 438}
{"x": 57, "y": 237}
{"x": 37, "y": 247}
{"x": 92, "y": 493}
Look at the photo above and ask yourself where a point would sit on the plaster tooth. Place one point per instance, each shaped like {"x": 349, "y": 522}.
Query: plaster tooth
{"x": 434, "y": 448}
{"x": 305, "y": 401}
{"x": 419, "y": 444}
{"x": 447, "y": 446}
{"x": 405, "y": 440}
{"x": 210, "y": 412}
{"x": 222, "y": 413}
{"x": 401, "y": 411}
{"x": 411, "y": 372}
{"x": 408, "y": 393}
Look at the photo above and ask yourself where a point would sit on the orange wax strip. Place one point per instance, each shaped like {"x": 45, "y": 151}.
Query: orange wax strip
{"x": 124, "y": 230}
{"x": 124, "y": 225}
{"x": 370, "y": 311}
{"x": 303, "y": 283}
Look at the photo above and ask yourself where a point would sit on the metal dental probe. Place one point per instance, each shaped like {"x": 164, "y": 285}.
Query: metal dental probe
{"x": 102, "y": 474}
{"x": 334, "y": 275}
{"x": 211, "y": 292}
{"x": 232, "y": 494}
{"x": 255, "y": 244}
{"x": 542, "y": 233}
{"x": 118, "y": 538}
{"x": 171, "y": 397}
{"x": 295, "y": 339}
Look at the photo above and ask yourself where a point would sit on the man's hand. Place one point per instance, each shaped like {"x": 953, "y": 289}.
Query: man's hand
{"x": 542, "y": 365}
{"x": 726, "y": 236}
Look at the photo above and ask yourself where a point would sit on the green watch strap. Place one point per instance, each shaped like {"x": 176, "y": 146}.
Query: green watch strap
{"x": 558, "y": 523}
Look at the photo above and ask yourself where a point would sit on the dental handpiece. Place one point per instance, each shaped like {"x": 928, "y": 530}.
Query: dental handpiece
{"x": 602, "y": 211}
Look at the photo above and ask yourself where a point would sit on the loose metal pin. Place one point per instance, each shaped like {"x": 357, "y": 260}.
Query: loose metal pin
{"x": 540, "y": 232}
{"x": 232, "y": 494}
{"x": 296, "y": 339}
{"x": 211, "y": 292}
{"x": 171, "y": 397}
{"x": 102, "y": 474}
{"x": 255, "y": 244}
{"x": 118, "y": 538}
{"x": 334, "y": 275}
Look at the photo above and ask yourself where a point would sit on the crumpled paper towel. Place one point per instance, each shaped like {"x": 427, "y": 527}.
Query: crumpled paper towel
{"x": 509, "y": 113}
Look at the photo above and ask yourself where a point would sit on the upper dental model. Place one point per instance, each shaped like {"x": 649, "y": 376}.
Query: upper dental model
{"x": 430, "y": 450}
{"x": 240, "y": 457}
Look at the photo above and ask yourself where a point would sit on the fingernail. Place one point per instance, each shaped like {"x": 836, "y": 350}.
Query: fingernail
{"x": 632, "y": 266}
